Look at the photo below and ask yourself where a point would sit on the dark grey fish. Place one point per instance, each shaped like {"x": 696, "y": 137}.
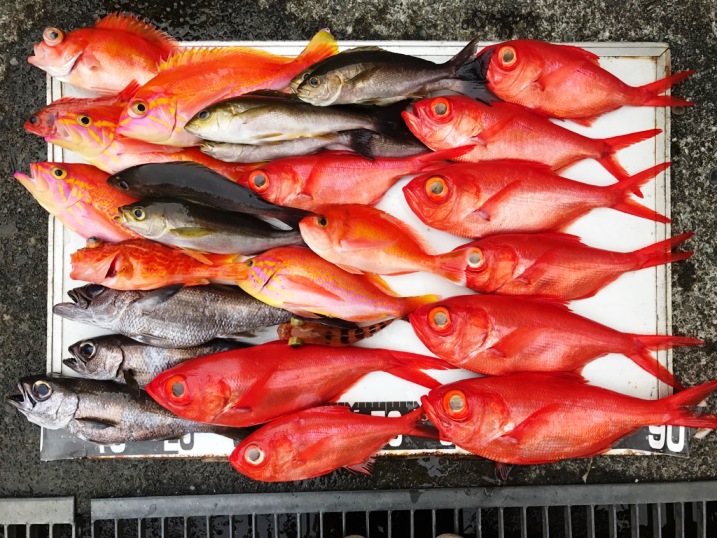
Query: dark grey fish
{"x": 102, "y": 411}
{"x": 198, "y": 227}
{"x": 120, "y": 359}
{"x": 370, "y": 75}
{"x": 175, "y": 316}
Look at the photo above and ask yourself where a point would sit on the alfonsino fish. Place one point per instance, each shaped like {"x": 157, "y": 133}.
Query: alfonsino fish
{"x": 480, "y": 199}
{"x": 563, "y": 81}
{"x": 535, "y": 418}
{"x": 313, "y": 181}
{"x": 106, "y": 57}
{"x": 499, "y": 335}
{"x": 117, "y": 358}
{"x": 193, "y": 79}
{"x": 102, "y": 411}
{"x": 172, "y": 317}
{"x": 505, "y": 131}
{"x": 362, "y": 239}
{"x": 555, "y": 265}
{"x": 251, "y": 386}
{"x": 197, "y": 227}
{"x": 79, "y": 197}
{"x": 318, "y": 441}
{"x": 296, "y": 279}
{"x": 371, "y": 75}
{"x": 300, "y": 332}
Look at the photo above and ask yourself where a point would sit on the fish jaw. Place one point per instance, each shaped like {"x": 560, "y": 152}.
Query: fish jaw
{"x": 54, "y": 412}
{"x": 55, "y": 61}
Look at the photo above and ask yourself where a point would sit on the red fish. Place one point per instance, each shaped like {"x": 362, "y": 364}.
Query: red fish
{"x": 106, "y": 57}
{"x": 250, "y": 386}
{"x": 555, "y": 265}
{"x": 480, "y": 199}
{"x": 499, "y": 335}
{"x": 335, "y": 177}
{"x": 563, "y": 81}
{"x": 505, "y": 131}
{"x": 318, "y": 441}
{"x": 535, "y": 418}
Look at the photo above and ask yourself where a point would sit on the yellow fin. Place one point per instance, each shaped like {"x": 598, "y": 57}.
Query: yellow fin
{"x": 321, "y": 46}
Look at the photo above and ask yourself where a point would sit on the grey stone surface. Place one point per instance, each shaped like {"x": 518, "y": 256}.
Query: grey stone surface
{"x": 690, "y": 28}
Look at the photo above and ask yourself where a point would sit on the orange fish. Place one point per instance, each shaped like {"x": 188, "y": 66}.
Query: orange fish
{"x": 500, "y": 335}
{"x": 506, "y": 131}
{"x": 297, "y": 280}
{"x": 140, "y": 264}
{"x": 195, "y": 78}
{"x": 535, "y": 418}
{"x": 362, "y": 239}
{"x": 300, "y": 332}
{"x": 318, "y": 441}
{"x": 563, "y": 81}
{"x": 104, "y": 58}
{"x": 492, "y": 197}
{"x": 78, "y": 195}
{"x": 555, "y": 265}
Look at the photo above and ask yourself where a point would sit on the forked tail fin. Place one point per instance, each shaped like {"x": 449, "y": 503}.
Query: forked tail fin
{"x": 623, "y": 189}
{"x": 321, "y": 46}
{"x": 649, "y": 94}
{"x": 679, "y": 408}
{"x": 661, "y": 252}
{"x": 616, "y": 143}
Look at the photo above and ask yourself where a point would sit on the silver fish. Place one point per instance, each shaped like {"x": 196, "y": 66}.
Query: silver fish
{"x": 117, "y": 358}
{"x": 102, "y": 411}
{"x": 197, "y": 227}
{"x": 174, "y": 316}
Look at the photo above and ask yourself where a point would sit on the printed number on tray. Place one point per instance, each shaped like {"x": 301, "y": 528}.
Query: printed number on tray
{"x": 664, "y": 435}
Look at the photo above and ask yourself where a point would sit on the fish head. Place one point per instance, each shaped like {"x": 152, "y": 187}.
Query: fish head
{"x": 321, "y": 89}
{"x": 324, "y": 232}
{"x": 96, "y": 358}
{"x": 275, "y": 182}
{"x": 105, "y": 263}
{"x": 58, "y": 186}
{"x": 45, "y": 401}
{"x": 300, "y": 78}
{"x": 42, "y": 122}
{"x": 265, "y": 455}
{"x": 211, "y": 121}
{"x": 97, "y": 305}
{"x": 148, "y": 220}
{"x": 58, "y": 52}
{"x": 510, "y": 66}
{"x": 431, "y": 196}
{"x": 151, "y": 115}
{"x": 489, "y": 264}
{"x": 444, "y": 122}
{"x": 88, "y": 131}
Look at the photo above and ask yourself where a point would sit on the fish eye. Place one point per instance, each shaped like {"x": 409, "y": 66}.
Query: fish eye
{"x": 440, "y": 107}
{"x": 53, "y": 36}
{"x": 258, "y": 181}
{"x": 476, "y": 260}
{"x": 314, "y": 82}
{"x": 94, "y": 242}
{"x": 41, "y": 390}
{"x": 123, "y": 185}
{"x": 204, "y": 114}
{"x": 94, "y": 290}
{"x": 254, "y": 455}
{"x": 439, "y": 318}
{"x": 87, "y": 349}
{"x": 322, "y": 221}
{"x": 250, "y": 263}
{"x": 139, "y": 213}
{"x": 436, "y": 188}
{"x": 507, "y": 56}
{"x": 137, "y": 109}
{"x": 455, "y": 404}
{"x": 177, "y": 390}
{"x": 33, "y": 120}
{"x": 84, "y": 120}
{"x": 59, "y": 173}
{"x": 305, "y": 75}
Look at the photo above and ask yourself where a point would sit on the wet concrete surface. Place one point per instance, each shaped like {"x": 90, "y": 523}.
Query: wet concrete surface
{"x": 689, "y": 27}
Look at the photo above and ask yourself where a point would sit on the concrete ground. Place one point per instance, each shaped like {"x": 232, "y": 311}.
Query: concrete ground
{"x": 688, "y": 26}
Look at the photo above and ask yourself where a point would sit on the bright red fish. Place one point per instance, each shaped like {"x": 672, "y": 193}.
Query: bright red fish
{"x": 250, "y": 386}
{"x": 335, "y": 177}
{"x": 534, "y": 418}
{"x": 318, "y": 441}
{"x": 105, "y": 57}
{"x": 499, "y": 335}
{"x": 480, "y": 199}
{"x": 78, "y": 195}
{"x": 563, "y": 81}
{"x": 555, "y": 265}
{"x": 505, "y": 131}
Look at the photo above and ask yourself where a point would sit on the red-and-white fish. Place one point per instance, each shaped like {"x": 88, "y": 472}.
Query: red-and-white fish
{"x": 535, "y": 418}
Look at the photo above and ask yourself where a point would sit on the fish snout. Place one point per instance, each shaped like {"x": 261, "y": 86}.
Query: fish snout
{"x": 73, "y": 363}
{"x": 19, "y": 401}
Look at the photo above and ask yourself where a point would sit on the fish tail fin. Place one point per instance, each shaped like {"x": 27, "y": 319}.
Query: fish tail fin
{"x": 616, "y": 143}
{"x": 680, "y": 410}
{"x": 462, "y": 66}
{"x": 451, "y": 266}
{"x": 661, "y": 252}
{"x": 409, "y": 304}
{"x": 408, "y": 366}
{"x": 321, "y": 46}
{"x": 649, "y": 94}
{"x": 358, "y": 141}
{"x": 416, "y": 423}
{"x": 388, "y": 121}
{"x": 623, "y": 189}
{"x": 432, "y": 157}
{"x": 644, "y": 359}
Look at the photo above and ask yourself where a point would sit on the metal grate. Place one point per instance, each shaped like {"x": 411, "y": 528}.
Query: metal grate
{"x": 653, "y": 510}
{"x": 36, "y": 518}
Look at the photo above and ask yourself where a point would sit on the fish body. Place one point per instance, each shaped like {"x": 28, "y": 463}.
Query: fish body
{"x": 197, "y": 227}
{"x": 363, "y": 239}
{"x": 536, "y": 418}
{"x": 172, "y": 317}
{"x": 564, "y": 81}
{"x": 555, "y": 265}
{"x": 500, "y": 335}
{"x": 318, "y": 441}
{"x": 296, "y": 279}
{"x": 301, "y": 332}
{"x": 102, "y": 412}
{"x": 79, "y": 197}
{"x": 371, "y": 75}
{"x": 193, "y": 79}
{"x": 481, "y": 199}
{"x": 251, "y": 386}
{"x": 500, "y": 131}
{"x": 117, "y": 50}
{"x": 120, "y": 359}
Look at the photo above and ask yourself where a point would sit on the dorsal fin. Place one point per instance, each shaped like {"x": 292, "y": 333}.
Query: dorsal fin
{"x": 586, "y": 55}
{"x": 565, "y": 238}
{"x": 367, "y": 48}
{"x": 134, "y": 25}
{"x": 125, "y": 95}
{"x": 198, "y": 55}
{"x": 410, "y": 232}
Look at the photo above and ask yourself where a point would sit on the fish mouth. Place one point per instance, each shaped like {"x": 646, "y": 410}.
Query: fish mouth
{"x": 21, "y": 401}
{"x": 412, "y": 120}
{"x": 57, "y": 71}
{"x": 482, "y": 62}
{"x": 430, "y": 411}
{"x": 410, "y": 196}
{"x": 73, "y": 363}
